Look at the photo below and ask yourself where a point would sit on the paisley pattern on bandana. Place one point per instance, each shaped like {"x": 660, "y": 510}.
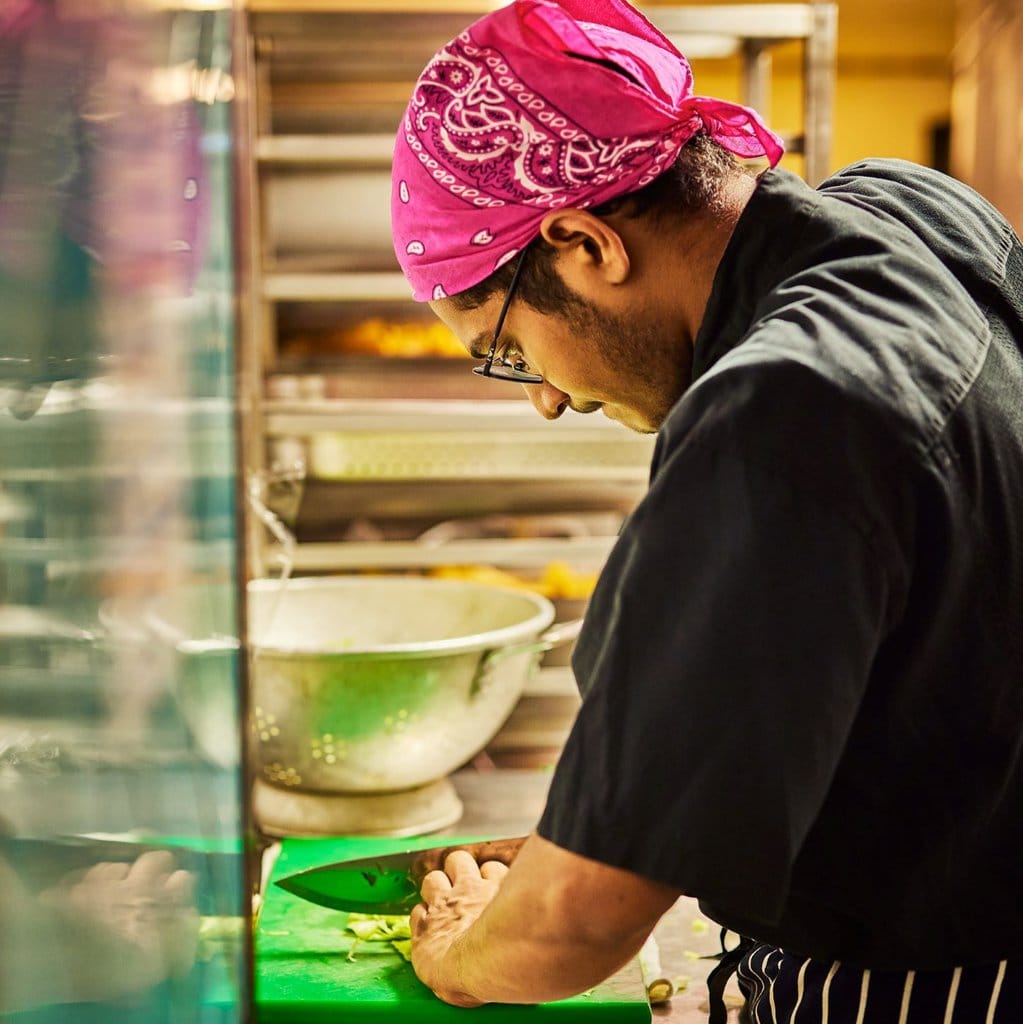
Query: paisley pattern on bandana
{"x": 483, "y": 135}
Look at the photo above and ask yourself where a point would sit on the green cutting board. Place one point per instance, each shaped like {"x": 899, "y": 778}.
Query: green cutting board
{"x": 302, "y": 975}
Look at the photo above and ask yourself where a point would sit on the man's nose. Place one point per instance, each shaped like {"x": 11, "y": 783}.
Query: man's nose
{"x": 548, "y": 400}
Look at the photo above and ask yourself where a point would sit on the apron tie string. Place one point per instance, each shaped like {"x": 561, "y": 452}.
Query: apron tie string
{"x": 728, "y": 962}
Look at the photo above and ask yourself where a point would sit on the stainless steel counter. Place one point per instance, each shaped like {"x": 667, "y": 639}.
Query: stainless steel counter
{"x": 509, "y": 802}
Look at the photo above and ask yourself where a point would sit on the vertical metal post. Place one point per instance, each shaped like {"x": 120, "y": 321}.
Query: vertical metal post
{"x": 253, "y": 334}
{"x": 818, "y": 78}
{"x": 756, "y": 76}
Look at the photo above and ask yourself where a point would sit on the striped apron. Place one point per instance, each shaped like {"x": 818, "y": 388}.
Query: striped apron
{"x": 781, "y": 988}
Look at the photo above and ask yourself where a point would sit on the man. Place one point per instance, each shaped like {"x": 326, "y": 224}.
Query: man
{"x": 802, "y": 667}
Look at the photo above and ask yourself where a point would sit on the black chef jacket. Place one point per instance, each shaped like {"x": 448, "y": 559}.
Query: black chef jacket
{"x": 802, "y": 667}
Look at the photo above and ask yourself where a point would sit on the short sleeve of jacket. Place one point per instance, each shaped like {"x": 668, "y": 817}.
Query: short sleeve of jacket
{"x": 726, "y": 650}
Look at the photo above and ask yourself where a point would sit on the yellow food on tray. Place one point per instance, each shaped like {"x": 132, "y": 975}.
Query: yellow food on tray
{"x": 376, "y": 336}
{"x": 558, "y": 580}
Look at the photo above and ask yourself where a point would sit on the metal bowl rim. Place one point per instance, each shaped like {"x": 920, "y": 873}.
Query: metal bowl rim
{"x": 488, "y": 640}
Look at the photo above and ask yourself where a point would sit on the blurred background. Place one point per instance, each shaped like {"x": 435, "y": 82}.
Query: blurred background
{"x": 121, "y": 806}
{"x": 223, "y": 422}
{"x": 938, "y": 83}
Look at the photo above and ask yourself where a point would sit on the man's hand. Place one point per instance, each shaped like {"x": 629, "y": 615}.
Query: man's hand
{"x": 101, "y": 934}
{"x": 148, "y": 906}
{"x": 550, "y": 926}
{"x": 452, "y": 901}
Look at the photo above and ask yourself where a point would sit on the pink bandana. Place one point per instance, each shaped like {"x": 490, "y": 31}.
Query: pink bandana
{"x": 530, "y": 110}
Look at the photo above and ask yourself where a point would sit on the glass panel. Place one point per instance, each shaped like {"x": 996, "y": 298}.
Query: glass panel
{"x": 121, "y": 826}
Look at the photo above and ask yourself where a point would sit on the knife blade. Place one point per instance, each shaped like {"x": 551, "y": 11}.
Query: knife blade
{"x": 388, "y": 884}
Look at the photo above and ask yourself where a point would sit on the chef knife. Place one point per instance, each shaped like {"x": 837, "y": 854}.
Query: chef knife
{"x": 387, "y": 884}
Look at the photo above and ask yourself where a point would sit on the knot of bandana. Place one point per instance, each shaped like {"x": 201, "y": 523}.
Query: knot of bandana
{"x": 530, "y": 110}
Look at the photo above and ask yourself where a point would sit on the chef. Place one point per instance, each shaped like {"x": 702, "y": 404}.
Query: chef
{"x": 802, "y": 667}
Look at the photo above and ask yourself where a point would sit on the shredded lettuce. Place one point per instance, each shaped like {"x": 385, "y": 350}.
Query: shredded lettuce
{"x": 392, "y": 928}
{"x": 404, "y": 947}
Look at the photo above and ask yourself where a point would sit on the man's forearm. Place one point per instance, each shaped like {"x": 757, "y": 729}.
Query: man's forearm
{"x": 509, "y": 957}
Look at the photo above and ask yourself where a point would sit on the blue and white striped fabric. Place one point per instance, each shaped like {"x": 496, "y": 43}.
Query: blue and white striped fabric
{"x": 781, "y": 988}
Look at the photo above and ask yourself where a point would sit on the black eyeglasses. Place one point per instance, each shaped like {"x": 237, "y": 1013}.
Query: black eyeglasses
{"x": 506, "y": 369}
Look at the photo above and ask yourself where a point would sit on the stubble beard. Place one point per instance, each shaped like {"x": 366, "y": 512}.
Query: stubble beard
{"x": 637, "y": 350}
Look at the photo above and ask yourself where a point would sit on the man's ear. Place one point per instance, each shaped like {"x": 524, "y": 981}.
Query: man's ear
{"x": 587, "y": 246}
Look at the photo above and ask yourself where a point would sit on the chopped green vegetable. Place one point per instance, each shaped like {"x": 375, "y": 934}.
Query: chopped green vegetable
{"x": 700, "y": 927}
{"x": 658, "y": 988}
{"x": 219, "y": 936}
{"x": 392, "y": 928}
{"x": 381, "y": 926}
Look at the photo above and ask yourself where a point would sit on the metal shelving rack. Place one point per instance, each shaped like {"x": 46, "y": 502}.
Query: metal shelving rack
{"x": 365, "y": 56}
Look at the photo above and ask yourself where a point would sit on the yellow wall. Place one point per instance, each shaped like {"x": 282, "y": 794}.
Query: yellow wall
{"x": 893, "y": 81}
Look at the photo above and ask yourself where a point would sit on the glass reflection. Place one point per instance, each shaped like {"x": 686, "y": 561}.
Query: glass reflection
{"x": 120, "y": 793}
